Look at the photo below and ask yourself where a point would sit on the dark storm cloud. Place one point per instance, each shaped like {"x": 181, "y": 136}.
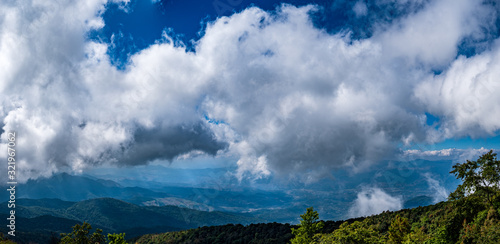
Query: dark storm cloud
{"x": 167, "y": 143}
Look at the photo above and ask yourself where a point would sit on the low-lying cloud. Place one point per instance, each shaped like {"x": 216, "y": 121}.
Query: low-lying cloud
{"x": 439, "y": 193}
{"x": 270, "y": 89}
{"x": 374, "y": 201}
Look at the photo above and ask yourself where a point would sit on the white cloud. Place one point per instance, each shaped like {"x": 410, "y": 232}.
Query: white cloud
{"x": 464, "y": 95}
{"x": 360, "y": 8}
{"x": 457, "y": 155}
{"x": 316, "y": 100}
{"x": 431, "y": 36}
{"x": 72, "y": 109}
{"x": 289, "y": 98}
{"x": 439, "y": 192}
{"x": 374, "y": 201}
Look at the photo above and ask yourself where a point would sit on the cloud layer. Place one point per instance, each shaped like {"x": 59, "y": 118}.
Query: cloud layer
{"x": 457, "y": 155}
{"x": 270, "y": 89}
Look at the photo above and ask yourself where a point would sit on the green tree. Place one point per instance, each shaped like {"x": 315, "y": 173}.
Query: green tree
{"x": 491, "y": 228}
{"x": 484, "y": 229}
{"x": 356, "y": 233}
{"x": 481, "y": 177}
{"x": 116, "y": 238}
{"x": 81, "y": 235}
{"x": 399, "y": 229}
{"x": 308, "y": 227}
{"x": 4, "y": 240}
{"x": 417, "y": 236}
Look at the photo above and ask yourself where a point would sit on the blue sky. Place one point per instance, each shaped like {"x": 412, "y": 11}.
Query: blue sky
{"x": 467, "y": 142}
{"x": 294, "y": 89}
{"x": 143, "y": 22}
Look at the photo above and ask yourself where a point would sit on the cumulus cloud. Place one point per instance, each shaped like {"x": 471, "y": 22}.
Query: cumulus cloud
{"x": 302, "y": 102}
{"x": 430, "y": 37}
{"x": 71, "y": 109}
{"x": 464, "y": 95}
{"x": 270, "y": 89}
{"x": 374, "y": 201}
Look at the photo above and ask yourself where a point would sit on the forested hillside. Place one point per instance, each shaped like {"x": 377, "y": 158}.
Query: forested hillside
{"x": 357, "y": 230}
{"x": 38, "y": 221}
{"x": 471, "y": 215}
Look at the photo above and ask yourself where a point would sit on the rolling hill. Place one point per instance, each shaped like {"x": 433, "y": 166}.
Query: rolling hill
{"x": 74, "y": 188}
{"x": 113, "y": 215}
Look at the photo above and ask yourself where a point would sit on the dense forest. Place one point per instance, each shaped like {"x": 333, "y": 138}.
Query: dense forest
{"x": 470, "y": 215}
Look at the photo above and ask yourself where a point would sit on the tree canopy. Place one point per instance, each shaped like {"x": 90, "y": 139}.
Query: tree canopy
{"x": 308, "y": 227}
{"x": 81, "y": 235}
{"x": 481, "y": 177}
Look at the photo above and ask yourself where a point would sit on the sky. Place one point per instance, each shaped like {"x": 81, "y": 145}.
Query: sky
{"x": 292, "y": 90}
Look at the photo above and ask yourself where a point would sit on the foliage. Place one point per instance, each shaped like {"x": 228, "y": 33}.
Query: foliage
{"x": 470, "y": 215}
{"x": 484, "y": 229}
{"x": 357, "y": 232}
{"x": 230, "y": 233}
{"x": 116, "y": 238}
{"x": 481, "y": 177}
{"x": 81, "y": 235}
{"x": 417, "y": 236}
{"x": 308, "y": 227}
{"x": 399, "y": 230}
{"x": 4, "y": 240}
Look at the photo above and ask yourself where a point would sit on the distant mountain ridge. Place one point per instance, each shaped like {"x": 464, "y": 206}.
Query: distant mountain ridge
{"x": 114, "y": 215}
{"x": 408, "y": 181}
{"x": 77, "y": 188}
{"x": 174, "y": 201}
{"x": 74, "y": 188}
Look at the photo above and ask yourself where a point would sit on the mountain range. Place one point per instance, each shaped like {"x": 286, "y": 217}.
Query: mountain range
{"x": 113, "y": 215}
{"x": 409, "y": 181}
{"x": 64, "y": 200}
